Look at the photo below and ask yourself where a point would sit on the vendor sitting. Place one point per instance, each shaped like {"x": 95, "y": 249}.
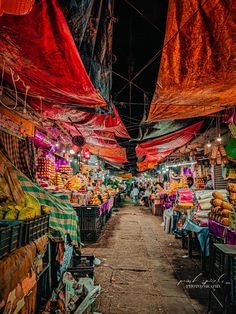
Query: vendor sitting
{"x": 190, "y": 183}
{"x": 209, "y": 183}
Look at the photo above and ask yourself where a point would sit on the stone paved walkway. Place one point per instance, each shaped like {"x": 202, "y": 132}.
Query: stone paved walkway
{"x": 141, "y": 267}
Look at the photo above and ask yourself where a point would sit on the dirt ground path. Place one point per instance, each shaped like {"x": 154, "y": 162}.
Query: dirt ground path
{"x": 142, "y": 266}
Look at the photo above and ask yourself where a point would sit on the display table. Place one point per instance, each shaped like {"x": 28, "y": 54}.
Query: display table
{"x": 202, "y": 234}
{"x": 220, "y": 231}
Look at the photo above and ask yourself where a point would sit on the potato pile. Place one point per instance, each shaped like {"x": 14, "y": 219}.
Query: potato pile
{"x": 220, "y": 209}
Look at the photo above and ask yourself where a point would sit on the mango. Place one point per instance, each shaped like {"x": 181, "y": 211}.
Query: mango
{"x": 11, "y": 214}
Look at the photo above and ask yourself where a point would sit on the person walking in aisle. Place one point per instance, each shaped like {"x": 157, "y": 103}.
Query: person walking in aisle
{"x": 135, "y": 193}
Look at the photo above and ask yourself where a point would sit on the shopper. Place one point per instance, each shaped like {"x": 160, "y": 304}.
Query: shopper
{"x": 146, "y": 196}
{"x": 190, "y": 183}
{"x": 209, "y": 183}
{"x": 135, "y": 193}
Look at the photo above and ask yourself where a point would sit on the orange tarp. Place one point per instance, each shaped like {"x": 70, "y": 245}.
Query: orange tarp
{"x": 117, "y": 154}
{"x": 197, "y": 75}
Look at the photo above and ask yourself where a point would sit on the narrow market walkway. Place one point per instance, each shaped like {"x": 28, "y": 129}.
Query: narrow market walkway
{"x": 141, "y": 267}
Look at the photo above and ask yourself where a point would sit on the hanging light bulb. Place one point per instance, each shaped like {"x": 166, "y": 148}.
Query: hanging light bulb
{"x": 209, "y": 144}
{"x": 219, "y": 139}
{"x": 72, "y": 151}
{"x": 57, "y": 144}
{"x": 63, "y": 151}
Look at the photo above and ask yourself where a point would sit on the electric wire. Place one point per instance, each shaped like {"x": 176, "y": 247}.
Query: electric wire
{"x": 160, "y": 51}
{"x": 144, "y": 16}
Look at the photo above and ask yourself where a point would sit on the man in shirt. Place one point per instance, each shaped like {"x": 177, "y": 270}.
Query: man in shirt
{"x": 190, "y": 183}
{"x": 209, "y": 183}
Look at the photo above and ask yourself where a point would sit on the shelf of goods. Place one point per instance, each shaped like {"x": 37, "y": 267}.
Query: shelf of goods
{"x": 66, "y": 172}
{"x": 45, "y": 168}
{"x": 200, "y": 184}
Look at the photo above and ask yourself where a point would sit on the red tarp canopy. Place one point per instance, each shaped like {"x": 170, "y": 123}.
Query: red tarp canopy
{"x": 197, "y": 75}
{"x": 158, "y": 149}
{"x": 75, "y": 119}
{"x": 39, "y": 52}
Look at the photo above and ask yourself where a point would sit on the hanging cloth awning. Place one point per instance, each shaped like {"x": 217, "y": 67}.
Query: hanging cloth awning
{"x": 77, "y": 119}
{"x": 165, "y": 127}
{"x": 117, "y": 155}
{"x": 197, "y": 75}
{"x": 155, "y": 151}
{"x": 91, "y": 24}
{"x": 38, "y": 51}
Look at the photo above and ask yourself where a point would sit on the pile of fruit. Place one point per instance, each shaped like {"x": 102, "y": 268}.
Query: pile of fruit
{"x": 200, "y": 184}
{"x": 111, "y": 191}
{"x": 58, "y": 180}
{"x": 95, "y": 200}
{"x": 66, "y": 172}
{"x": 105, "y": 197}
{"x": 72, "y": 184}
{"x": 29, "y": 210}
{"x": 45, "y": 168}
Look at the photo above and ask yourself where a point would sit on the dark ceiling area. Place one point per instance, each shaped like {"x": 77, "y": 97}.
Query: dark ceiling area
{"x": 138, "y": 35}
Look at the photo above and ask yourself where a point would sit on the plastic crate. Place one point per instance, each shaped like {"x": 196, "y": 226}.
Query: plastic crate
{"x": 214, "y": 239}
{"x": 218, "y": 269}
{"x": 79, "y": 272}
{"x": 88, "y": 211}
{"x": 82, "y": 260}
{"x": 89, "y": 236}
{"x": 89, "y": 218}
{"x": 35, "y": 228}
{"x": 82, "y": 266}
{"x": 233, "y": 283}
{"x": 10, "y": 236}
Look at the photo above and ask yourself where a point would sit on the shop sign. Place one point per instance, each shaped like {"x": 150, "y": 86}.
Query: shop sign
{"x": 12, "y": 123}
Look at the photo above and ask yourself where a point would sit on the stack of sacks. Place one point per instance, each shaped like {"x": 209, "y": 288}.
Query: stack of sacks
{"x": 185, "y": 198}
{"x": 221, "y": 208}
{"x": 203, "y": 206}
